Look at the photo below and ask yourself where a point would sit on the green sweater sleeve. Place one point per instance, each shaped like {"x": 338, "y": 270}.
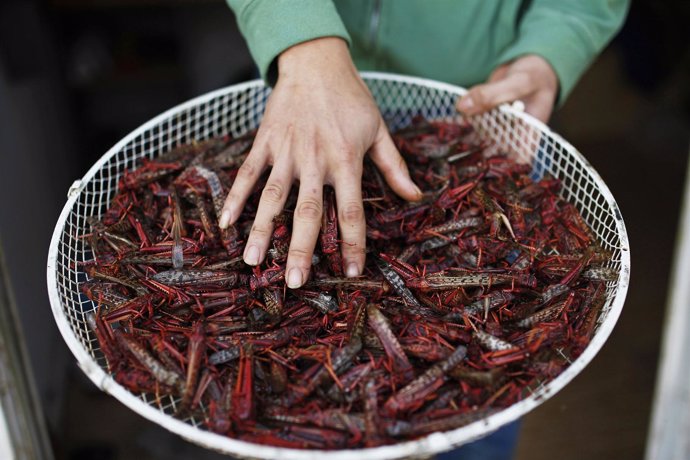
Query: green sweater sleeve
{"x": 272, "y": 26}
{"x": 568, "y": 34}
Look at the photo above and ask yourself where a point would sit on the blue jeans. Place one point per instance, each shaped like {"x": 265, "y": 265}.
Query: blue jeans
{"x": 499, "y": 445}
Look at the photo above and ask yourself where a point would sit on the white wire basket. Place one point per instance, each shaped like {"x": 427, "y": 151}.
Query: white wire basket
{"x": 238, "y": 109}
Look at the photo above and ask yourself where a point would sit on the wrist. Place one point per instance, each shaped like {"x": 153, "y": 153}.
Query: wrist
{"x": 325, "y": 54}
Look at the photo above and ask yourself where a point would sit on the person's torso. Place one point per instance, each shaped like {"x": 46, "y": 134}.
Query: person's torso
{"x": 456, "y": 41}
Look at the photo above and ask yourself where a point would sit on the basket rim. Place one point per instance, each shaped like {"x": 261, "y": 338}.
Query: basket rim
{"x": 427, "y": 445}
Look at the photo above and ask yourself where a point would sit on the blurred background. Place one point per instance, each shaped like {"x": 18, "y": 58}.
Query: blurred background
{"x": 78, "y": 75}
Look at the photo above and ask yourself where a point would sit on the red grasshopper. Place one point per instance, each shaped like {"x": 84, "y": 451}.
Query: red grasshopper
{"x": 195, "y": 357}
{"x": 329, "y": 234}
{"x": 497, "y": 284}
{"x": 243, "y": 394}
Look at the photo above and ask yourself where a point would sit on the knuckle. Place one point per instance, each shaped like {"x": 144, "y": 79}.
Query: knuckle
{"x": 341, "y": 143}
{"x": 300, "y": 257}
{"x": 299, "y": 253}
{"x": 308, "y": 209}
{"x": 480, "y": 96}
{"x": 343, "y": 165}
{"x": 352, "y": 213}
{"x": 273, "y": 192}
{"x": 354, "y": 249}
{"x": 347, "y": 151}
{"x": 248, "y": 169}
{"x": 260, "y": 231}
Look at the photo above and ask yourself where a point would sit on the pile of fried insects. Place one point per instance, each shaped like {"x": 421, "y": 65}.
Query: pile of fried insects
{"x": 470, "y": 299}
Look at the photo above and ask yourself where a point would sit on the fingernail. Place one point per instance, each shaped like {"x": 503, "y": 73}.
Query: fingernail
{"x": 466, "y": 103}
{"x": 294, "y": 279}
{"x": 251, "y": 255}
{"x": 224, "y": 219}
{"x": 418, "y": 190}
{"x": 352, "y": 270}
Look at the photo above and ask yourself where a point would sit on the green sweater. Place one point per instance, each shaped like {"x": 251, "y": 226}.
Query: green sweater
{"x": 456, "y": 41}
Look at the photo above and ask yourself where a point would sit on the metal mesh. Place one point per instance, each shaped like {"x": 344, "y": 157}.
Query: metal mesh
{"x": 238, "y": 109}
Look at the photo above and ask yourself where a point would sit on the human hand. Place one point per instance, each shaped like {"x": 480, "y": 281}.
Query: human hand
{"x": 319, "y": 122}
{"x": 528, "y": 78}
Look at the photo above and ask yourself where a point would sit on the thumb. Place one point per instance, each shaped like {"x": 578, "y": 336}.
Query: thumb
{"x": 486, "y": 96}
{"x": 392, "y": 165}
{"x": 499, "y": 73}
